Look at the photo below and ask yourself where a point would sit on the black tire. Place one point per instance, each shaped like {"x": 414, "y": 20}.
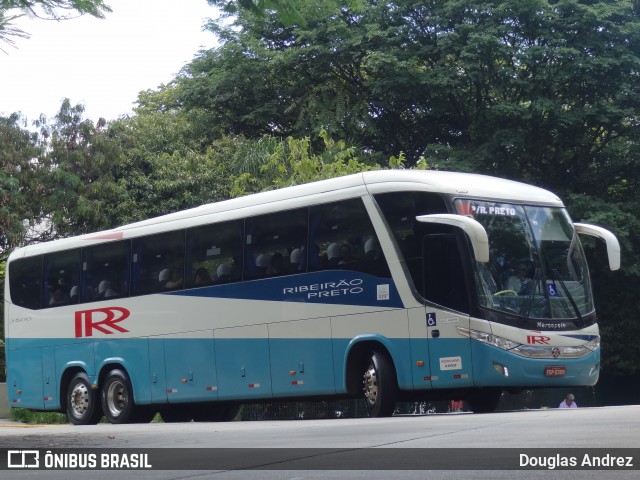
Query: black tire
{"x": 484, "y": 400}
{"x": 379, "y": 385}
{"x": 207, "y": 412}
{"x": 117, "y": 400}
{"x": 83, "y": 403}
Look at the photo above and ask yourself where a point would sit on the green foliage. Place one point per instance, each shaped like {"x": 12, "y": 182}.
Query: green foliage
{"x": 58, "y": 9}
{"x": 27, "y": 416}
{"x": 48, "y": 9}
{"x": 82, "y": 193}
{"x": 21, "y": 178}
{"x": 292, "y": 162}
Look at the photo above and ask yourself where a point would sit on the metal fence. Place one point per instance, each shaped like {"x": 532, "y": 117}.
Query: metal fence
{"x": 331, "y": 409}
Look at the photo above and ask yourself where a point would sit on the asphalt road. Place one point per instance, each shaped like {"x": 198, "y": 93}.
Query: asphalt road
{"x": 456, "y": 446}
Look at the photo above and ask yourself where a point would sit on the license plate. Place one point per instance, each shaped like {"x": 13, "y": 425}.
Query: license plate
{"x": 556, "y": 371}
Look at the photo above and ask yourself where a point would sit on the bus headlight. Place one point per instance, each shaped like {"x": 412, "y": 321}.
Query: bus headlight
{"x": 484, "y": 337}
{"x": 532, "y": 351}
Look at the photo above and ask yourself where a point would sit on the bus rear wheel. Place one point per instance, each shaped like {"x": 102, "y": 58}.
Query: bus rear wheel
{"x": 83, "y": 405}
{"x": 117, "y": 400}
{"x": 379, "y": 385}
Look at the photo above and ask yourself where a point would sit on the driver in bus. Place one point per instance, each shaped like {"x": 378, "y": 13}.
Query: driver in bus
{"x": 520, "y": 282}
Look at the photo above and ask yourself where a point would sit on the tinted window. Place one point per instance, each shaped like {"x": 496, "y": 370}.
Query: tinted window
{"x": 61, "y": 277}
{"x": 25, "y": 282}
{"x": 215, "y": 254}
{"x": 270, "y": 242}
{"x": 157, "y": 263}
{"x": 342, "y": 237}
{"x": 105, "y": 271}
{"x": 400, "y": 210}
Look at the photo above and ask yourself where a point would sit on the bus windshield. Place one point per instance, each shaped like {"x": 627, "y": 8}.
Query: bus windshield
{"x": 537, "y": 268}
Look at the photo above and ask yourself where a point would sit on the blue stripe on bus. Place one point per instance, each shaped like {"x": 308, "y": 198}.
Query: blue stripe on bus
{"x": 337, "y": 287}
{"x": 586, "y": 338}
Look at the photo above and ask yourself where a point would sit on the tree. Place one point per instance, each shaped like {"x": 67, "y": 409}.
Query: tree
{"x": 510, "y": 86}
{"x": 83, "y": 163}
{"x": 22, "y": 180}
{"x": 46, "y": 9}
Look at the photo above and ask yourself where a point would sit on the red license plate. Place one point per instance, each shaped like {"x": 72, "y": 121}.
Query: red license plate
{"x": 556, "y": 371}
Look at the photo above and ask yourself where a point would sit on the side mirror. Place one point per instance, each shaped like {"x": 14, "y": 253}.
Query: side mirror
{"x": 613, "y": 246}
{"x": 474, "y": 230}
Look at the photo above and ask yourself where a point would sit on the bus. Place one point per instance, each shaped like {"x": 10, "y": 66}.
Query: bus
{"x": 385, "y": 285}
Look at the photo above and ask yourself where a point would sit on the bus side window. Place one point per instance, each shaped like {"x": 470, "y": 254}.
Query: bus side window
{"x": 342, "y": 237}
{"x": 105, "y": 271}
{"x": 213, "y": 252}
{"x": 25, "y": 282}
{"x": 400, "y": 210}
{"x": 61, "y": 273}
{"x": 158, "y": 263}
{"x": 270, "y": 241}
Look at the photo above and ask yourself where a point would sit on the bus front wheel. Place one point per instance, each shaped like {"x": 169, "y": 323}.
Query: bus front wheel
{"x": 379, "y": 385}
{"x": 83, "y": 404}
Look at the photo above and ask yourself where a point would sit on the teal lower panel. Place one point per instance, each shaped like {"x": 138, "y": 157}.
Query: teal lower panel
{"x": 243, "y": 368}
{"x": 302, "y": 367}
{"x": 259, "y": 368}
{"x": 24, "y": 379}
{"x": 527, "y": 372}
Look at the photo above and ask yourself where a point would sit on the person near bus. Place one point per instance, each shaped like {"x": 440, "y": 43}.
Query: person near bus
{"x": 568, "y": 402}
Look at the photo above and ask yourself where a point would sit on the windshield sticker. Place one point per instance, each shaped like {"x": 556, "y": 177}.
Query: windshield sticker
{"x": 493, "y": 210}
{"x": 470, "y": 209}
{"x": 551, "y": 289}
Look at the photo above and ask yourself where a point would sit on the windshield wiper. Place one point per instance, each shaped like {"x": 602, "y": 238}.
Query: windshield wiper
{"x": 555, "y": 276}
{"x": 527, "y": 305}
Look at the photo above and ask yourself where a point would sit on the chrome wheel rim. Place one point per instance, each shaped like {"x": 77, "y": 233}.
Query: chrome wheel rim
{"x": 370, "y": 385}
{"x": 116, "y": 398}
{"x": 79, "y": 399}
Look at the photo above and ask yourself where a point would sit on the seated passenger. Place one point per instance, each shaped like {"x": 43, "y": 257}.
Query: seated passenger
{"x": 333, "y": 254}
{"x": 346, "y": 257}
{"x": 224, "y": 272}
{"x": 263, "y": 262}
{"x": 169, "y": 279}
{"x": 297, "y": 260}
{"x": 201, "y": 277}
{"x": 277, "y": 264}
{"x": 74, "y": 294}
{"x": 105, "y": 290}
{"x": 372, "y": 249}
{"x": 59, "y": 294}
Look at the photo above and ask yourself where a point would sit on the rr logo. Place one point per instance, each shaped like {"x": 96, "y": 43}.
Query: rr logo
{"x": 538, "y": 340}
{"x": 86, "y": 321}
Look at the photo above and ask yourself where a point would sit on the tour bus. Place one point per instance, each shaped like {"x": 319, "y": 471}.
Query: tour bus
{"x": 387, "y": 285}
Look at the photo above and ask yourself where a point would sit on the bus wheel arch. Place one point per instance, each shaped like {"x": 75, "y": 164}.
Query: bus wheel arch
{"x": 80, "y": 400}
{"x": 371, "y": 373}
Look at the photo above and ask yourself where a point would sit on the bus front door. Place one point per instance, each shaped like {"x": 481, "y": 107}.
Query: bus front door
{"x": 446, "y": 290}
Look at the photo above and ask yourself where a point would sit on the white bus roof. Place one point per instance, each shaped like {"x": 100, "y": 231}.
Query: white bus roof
{"x": 379, "y": 181}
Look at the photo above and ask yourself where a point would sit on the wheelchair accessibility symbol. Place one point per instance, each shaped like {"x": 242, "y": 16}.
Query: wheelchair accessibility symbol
{"x": 431, "y": 320}
{"x": 551, "y": 289}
